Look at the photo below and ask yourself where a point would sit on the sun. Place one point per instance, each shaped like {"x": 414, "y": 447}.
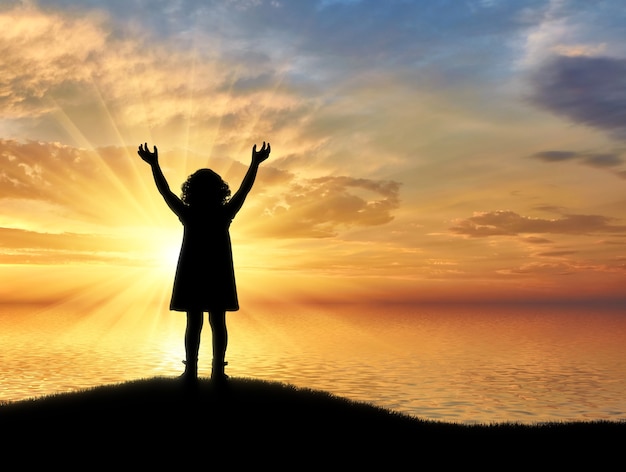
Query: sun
{"x": 165, "y": 245}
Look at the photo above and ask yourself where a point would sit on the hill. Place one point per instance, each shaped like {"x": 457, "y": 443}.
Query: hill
{"x": 158, "y": 422}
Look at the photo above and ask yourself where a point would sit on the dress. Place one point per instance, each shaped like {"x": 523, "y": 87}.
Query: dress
{"x": 205, "y": 276}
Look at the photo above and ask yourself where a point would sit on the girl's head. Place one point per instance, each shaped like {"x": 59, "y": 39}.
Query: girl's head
{"x": 205, "y": 187}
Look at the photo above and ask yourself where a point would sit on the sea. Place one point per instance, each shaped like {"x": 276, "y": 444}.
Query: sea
{"x": 464, "y": 364}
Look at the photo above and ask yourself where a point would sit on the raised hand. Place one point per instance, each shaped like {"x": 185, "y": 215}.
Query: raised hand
{"x": 262, "y": 154}
{"x": 150, "y": 157}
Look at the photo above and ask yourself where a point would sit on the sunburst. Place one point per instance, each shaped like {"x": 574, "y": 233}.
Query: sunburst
{"x": 115, "y": 294}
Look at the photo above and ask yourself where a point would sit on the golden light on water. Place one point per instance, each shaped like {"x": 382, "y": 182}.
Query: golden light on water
{"x": 456, "y": 364}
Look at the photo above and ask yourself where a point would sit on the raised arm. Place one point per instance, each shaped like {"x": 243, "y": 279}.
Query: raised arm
{"x": 170, "y": 197}
{"x": 240, "y": 195}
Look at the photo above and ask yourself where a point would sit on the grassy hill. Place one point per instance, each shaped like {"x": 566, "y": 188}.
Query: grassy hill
{"x": 158, "y": 423}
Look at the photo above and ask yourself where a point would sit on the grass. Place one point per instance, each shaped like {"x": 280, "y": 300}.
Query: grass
{"x": 157, "y": 422}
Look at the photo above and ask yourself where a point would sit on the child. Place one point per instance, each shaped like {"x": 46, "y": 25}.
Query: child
{"x": 205, "y": 279}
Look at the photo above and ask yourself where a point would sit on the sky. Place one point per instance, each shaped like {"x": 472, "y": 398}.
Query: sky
{"x": 422, "y": 151}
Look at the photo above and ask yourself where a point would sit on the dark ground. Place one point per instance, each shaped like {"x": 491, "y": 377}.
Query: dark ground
{"x": 158, "y": 424}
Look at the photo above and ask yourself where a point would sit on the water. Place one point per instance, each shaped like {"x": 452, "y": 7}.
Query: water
{"x": 478, "y": 365}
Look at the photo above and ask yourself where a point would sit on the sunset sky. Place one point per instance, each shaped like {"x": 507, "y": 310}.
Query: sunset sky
{"x": 421, "y": 150}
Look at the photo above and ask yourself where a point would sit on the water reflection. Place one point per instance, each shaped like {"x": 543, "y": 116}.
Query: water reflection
{"x": 484, "y": 366}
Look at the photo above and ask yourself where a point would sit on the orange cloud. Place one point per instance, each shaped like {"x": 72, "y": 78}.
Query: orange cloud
{"x": 19, "y": 246}
{"x": 67, "y": 205}
{"x": 83, "y": 184}
{"x": 320, "y": 207}
{"x": 43, "y": 54}
{"x": 88, "y": 86}
{"x": 509, "y": 223}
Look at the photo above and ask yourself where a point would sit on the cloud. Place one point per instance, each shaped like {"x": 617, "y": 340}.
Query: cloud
{"x": 43, "y": 54}
{"x": 111, "y": 187}
{"x": 20, "y": 246}
{"x": 76, "y": 180}
{"x": 331, "y": 89}
{"x": 556, "y": 156}
{"x": 586, "y": 90}
{"x": 509, "y": 223}
{"x": 537, "y": 240}
{"x": 34, "y": 247}
{"x": 26, "y": 169}
{"x": 541, "y": 268}
{"x": 322, "y": 41}
{"x": 320, "y": 207}
{"x": 557, "y": 253}
{"x": 608, "y": 160}
{"x": 591, "y": 159}
{"x": 603, "y": 160}
{"x": 69, "y": 75}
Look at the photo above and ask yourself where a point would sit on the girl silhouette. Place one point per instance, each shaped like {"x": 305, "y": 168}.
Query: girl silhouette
{"x": 205, "y": 278}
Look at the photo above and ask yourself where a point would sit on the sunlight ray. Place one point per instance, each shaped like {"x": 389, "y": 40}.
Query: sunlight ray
{"x": 132, "y": 159}
{"x": 221, "y": 113}
{"x": 251, "y": 128}
{"x": 119, "y": 305}
{"x": 96, "y": 201}
{"x": 190, "y": 105}
{"x": 68, "y": 125}
{"x": 283, "y": 67}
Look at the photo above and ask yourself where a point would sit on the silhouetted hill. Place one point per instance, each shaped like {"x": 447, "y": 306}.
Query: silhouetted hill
{"x": 156, "y": 422}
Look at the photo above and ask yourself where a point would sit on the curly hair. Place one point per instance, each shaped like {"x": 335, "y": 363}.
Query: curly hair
{"x": 205, "y": 187}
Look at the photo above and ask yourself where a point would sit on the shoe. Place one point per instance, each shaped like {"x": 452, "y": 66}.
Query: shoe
{"x": 218, "y": 371}
{"x": 190, "y": 375}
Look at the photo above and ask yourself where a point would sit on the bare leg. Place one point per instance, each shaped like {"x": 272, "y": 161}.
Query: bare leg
{"x": 192, "y": 342}
{"x": 217, "y": 319}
